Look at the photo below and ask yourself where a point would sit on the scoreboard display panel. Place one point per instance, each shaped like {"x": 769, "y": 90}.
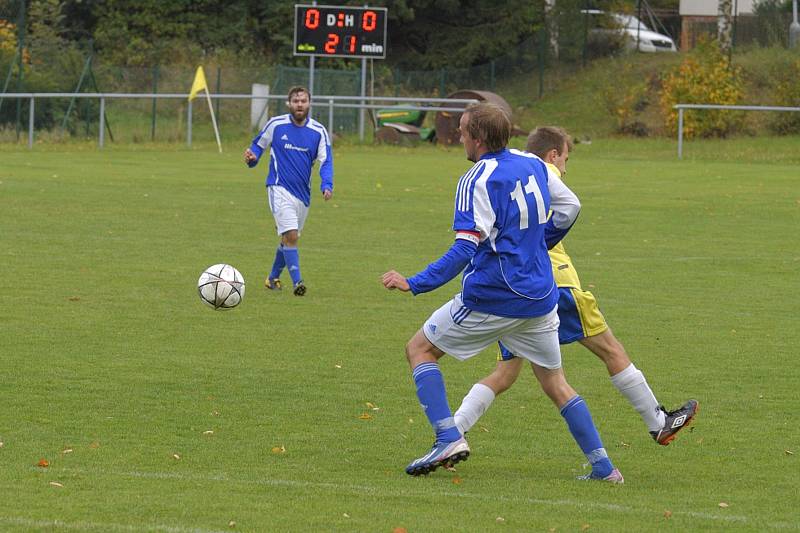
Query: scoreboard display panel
{"x": 340, "y": 31}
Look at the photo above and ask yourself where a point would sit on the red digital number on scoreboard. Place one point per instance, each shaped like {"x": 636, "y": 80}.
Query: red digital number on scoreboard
{"x": 340, "y": 31}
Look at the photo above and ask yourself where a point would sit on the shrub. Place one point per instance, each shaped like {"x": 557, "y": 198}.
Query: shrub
{"x": 786, "y": 93}
{"x": 704, "y": 77}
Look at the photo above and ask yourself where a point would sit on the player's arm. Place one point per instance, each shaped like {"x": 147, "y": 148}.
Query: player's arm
{"x": 259, "y": 144}
{"x": 325, "y": 158}
{"x": 440, "y": 271}
{"x": 565, "y": 208}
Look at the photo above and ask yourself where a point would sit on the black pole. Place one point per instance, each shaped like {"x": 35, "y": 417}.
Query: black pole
{"x": 219, "y": 88}
{"x": 639, "y": 24}
{"x": 585, "y": 31}
{"x": 155, "y": 90}
{"x": 21, "y": 73}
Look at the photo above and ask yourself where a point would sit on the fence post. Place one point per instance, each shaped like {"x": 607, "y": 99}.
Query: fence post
{"x": 155, "y": 99}
{"x": 330, "y": 119}
{"x": 30, "y": 123}
{"x": 680, "y": 133}
{"x": 189, "y": 125}
{"x": 102, "y": 120}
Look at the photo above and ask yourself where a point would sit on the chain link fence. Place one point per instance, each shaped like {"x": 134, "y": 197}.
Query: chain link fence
{"x": 571, "y": 39}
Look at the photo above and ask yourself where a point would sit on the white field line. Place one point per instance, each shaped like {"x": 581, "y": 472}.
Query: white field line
{"x": 371, "y": 490}
{"x": 30, "y": 523}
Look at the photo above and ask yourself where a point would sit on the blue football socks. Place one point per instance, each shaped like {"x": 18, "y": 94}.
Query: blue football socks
{"x": 292, "y": 258}
{"x": 583, "y": 430}
{"x": 433, "y": 398}
{"x": 278, "y": 264}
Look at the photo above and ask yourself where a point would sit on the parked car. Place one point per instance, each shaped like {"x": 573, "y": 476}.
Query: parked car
{"x": 632, "y": 29}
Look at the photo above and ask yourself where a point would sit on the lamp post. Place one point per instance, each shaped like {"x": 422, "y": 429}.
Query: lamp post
{"x": 794, "y": 27}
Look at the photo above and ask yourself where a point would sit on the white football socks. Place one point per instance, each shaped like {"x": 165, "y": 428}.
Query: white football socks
{"x": 632, "y": 384}
{"x": 474, "y": 404}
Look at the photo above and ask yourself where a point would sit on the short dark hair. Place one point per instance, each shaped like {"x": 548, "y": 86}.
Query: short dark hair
{"x": 298, "y": 89}
{"x": 546, "y": 138}
{"x": 489, "y": 124}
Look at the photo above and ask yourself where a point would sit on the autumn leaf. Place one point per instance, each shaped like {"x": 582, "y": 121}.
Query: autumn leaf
{"x": 667, "y": 514}
{"x": 787, "y": 452}
{"x": 499, "y": 519}
{"x": 56, "y": 484}
{"x": 399, "y": 530}
{"x": 279, "y": 449}
{"x": 723, "y": 505}
{"x": 231, "y": 524}
{"x": 44, "y": 463}
{"x": 65, "y": 451}
{"x": 457, "y": 481}
{"x": 365, "y": 416}
{"x": 584, "y": 527}
{"x": 94, "y": 445}
{"x": 176, "y": 456}
{"x": 208, "y": 432}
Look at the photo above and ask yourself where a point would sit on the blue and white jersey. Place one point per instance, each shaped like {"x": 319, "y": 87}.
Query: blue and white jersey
{"x": 293, "y": 150}
{"x": 502, "y": 204}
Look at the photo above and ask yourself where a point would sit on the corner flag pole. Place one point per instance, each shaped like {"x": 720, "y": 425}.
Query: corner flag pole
{"x": 198, "y": 85}
{"x": 213, "y": 120}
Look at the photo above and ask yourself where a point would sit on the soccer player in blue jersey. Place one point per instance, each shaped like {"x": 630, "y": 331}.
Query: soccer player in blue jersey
{"x": 508, "y": 294}
{"x": 296, "y": 141}
{"x": 580, "y": 320}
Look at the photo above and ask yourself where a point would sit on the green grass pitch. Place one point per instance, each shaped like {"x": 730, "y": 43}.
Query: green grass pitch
{"x": 156, "y": 413}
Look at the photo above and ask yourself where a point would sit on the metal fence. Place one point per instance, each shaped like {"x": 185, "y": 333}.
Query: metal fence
{"x": 682, "y": 107}
{"x": 324, "y": 106}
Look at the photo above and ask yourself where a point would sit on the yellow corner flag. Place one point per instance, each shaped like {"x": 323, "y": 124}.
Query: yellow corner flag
{"x": 199, "y": 83}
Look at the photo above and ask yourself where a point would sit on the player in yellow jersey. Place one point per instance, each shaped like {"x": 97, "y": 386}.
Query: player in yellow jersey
{"x": 581, "y": 321}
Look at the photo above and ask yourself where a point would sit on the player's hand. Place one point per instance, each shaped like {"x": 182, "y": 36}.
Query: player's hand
{"x": 395, "y": 280}
{"x": 327, "y": 194}
{"x": 249, "y": 156}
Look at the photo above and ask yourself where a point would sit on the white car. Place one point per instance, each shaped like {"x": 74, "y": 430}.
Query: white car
{"x": 634, "y": 30}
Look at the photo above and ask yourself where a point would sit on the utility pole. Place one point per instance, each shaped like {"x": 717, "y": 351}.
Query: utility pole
{"x": 794, "y": 27}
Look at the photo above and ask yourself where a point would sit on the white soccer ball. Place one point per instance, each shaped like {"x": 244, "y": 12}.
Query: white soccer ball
{"x": 221, "y": 287}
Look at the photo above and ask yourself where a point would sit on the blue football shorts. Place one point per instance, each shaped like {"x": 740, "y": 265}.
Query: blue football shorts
{"x": 579, "y": 317}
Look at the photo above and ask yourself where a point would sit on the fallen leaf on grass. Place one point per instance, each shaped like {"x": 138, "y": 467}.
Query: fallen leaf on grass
{"x": 337, "y": 366}
{"x": 176, "y": 456}
{"x": 365, "y": 416}
{"x": 345, "y": 515}
{"x": 74, "y": 298}
{"x": 787, "y": 452}
{"x": 484, "y": 429}
{"x": 279, "y": 449}
{"x": 231, "y": 524}
{"x": 399, "y": 530}
{"x": 584, "y": 527}
{"x": 2, "y": 444}
{"x": 94, "y": 445}
{"x": 457, "y": 481}
{"x": 667, "y": 514}
{"x": 56, "y": 484}
{"x": 214, "y": 413}
{"x": 44, "y": 463}
{"x": 624, "y": 444}
{"x": 208, "y": 432}
{"x": 500, "y": 519}
{"x": 373, "y": 406}
{"x": 65, "y": 451}
{"x": 723, "y": 505}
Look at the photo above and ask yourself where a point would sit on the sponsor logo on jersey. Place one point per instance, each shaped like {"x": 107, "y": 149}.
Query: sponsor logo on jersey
{"x": 290, "y": 146}
{"x": 284, "y": 137}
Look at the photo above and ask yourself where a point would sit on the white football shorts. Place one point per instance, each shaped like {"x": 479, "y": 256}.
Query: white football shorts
{"x": 462, "y": 333}
{"x": 287, "y": 210}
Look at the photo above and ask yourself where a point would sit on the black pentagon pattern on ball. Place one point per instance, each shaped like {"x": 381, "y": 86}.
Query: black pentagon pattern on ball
{"x": 215, "y": 279}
